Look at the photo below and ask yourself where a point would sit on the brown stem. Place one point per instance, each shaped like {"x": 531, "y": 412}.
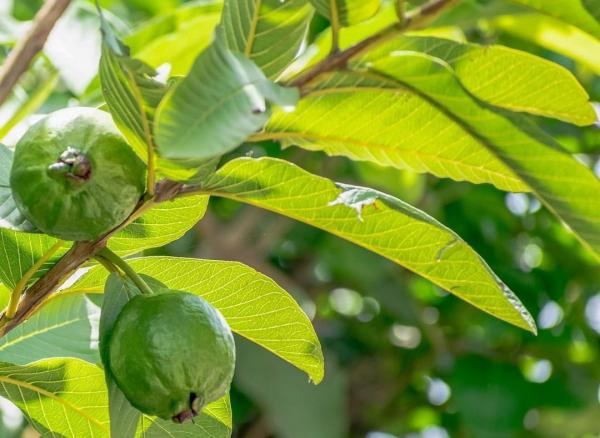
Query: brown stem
{"x": 79, "y": 254}
{"x": 33, "y": 41}
{"x": 339, "y": 60}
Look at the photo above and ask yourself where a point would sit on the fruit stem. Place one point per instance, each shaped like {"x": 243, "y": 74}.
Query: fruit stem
{"x": 128, "y": 270}
{"x": 11, "y": 310}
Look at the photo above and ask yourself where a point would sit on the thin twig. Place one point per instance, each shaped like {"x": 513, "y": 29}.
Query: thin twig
{"x": 339, "y": 60}
{"x": 20, "y": 57}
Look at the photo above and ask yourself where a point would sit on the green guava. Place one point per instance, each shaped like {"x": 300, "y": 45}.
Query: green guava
{"x": 171, "y": 354}
{"x": 73, "y": 175}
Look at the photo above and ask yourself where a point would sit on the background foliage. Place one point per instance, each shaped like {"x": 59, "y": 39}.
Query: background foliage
{"x": 403, "y": 358}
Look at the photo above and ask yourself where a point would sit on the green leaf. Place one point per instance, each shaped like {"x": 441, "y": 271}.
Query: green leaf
{"x": 375, "y": 221}
{"x": 66, "y": 326}
{"x": 163, "y": 223}
{"x": 269, "y": 32}
{"x": 254, "y": 305}
{"x": 60, "y": 397}
{"x": 224, "y": 99}
{"x": 347, "y": 11}
{"x": 553, "y": 35}
{"x": 373, "y": 119}
{"x": 19, "y": 251}
{"x": 580, "y": 13}
{"x": 10, "y": 216}
{"x": 124, "y": 418}
{"x": 567, "y": 187}
{"x": 505, "y": 77}
{"x": 176, "y": 38}
{"x": 130, "y": 92}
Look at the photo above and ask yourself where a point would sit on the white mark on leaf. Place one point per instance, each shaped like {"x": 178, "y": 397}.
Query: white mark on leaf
{"x": 355, "y": 198}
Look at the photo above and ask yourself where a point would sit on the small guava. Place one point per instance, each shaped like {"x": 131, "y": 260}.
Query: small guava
{"x": 73, "y": 175}
{"x": 171, "y": 354}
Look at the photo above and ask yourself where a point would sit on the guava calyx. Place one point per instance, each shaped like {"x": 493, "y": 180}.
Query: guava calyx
{"x": 73, "y": 165}
{"x": 196, "y": 404}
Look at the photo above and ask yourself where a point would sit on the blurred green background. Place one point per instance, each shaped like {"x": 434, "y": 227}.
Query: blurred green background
{"x": 403, "y": 358}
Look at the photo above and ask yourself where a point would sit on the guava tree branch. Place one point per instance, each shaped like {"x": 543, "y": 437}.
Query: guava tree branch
{"x": 339, "y": 59}
{"x": 33, "y": 41}
{"x": 76, "y": 257}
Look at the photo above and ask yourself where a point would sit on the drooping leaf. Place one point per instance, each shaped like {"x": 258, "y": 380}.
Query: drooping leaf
{"x": 124, "y": 418}
{"x": 254, "y": 305}
{"x": 554, "y": 35}
{"x": 268, "y": 32}
{"x": 224, "y": 99}
{"x": 60, "y": 397}
{"x": 162, "y": 224}
{"x": 375, "y": 221}
{"x": 347, "y": 12}
{"x": 372, "y": 119}
{"x": 505, "y": 77}
{"x": 580, "y": 13}
{"x": 176, "y": 38}
{"x": 567, "y": 187}
{"x": 10, "y": 216}
{"x": 130, "y": 92}
{"x": 66, "y": 326}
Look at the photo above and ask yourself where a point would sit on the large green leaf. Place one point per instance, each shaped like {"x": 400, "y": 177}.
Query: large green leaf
{"x": 129, "y": 91}
{"x": 373, "y": 220}
{"x": 163, "y": 223}
{"x": 254, "y": 305}
{"x": 66, "y": 326}
{"x": 580, "y": 13}
{"x": 373, "y": 119}
{"x": 176, "y": 38}
{"x": 564, "y": 185}
{"x": 10, "y": 216}
{"x": 223, "y": 100}
{"x": 554, "y": 35}
{"x": 347, "y": 12}
{"x": 60, "y": 397}
{"x": 269, "y": 32}
{"x": 505, "y": 77}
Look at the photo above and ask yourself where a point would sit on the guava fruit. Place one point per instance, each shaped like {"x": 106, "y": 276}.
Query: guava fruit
{"x": 73, "y": 175}
{"x": 171, "y": 353}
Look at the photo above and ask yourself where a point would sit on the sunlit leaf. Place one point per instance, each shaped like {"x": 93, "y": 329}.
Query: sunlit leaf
{"x": 373, "y": 119}
{"x": 347, "y": 12}
{"x": 375, "y": 221}
{"x": 505, "y": 77}
{"x": 567, "y": 187}
{"x": 269, "y": 32}
{"x": 580, "y": 13}
{"x": 553, "y": 35}
{"x": 254, "y": 305}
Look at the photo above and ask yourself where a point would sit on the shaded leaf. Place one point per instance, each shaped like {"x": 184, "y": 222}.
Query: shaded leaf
{"x": 224, "y": 99}
{"x": 254, "y": 305}
{"x": 389, "y": 227}
{"x": 10, "y": 216}
{"x": 347, "y": 11}
{"x": 130, "y": 92}
{"x": 66, "y": 326}
{"x": 268, "y": 32}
